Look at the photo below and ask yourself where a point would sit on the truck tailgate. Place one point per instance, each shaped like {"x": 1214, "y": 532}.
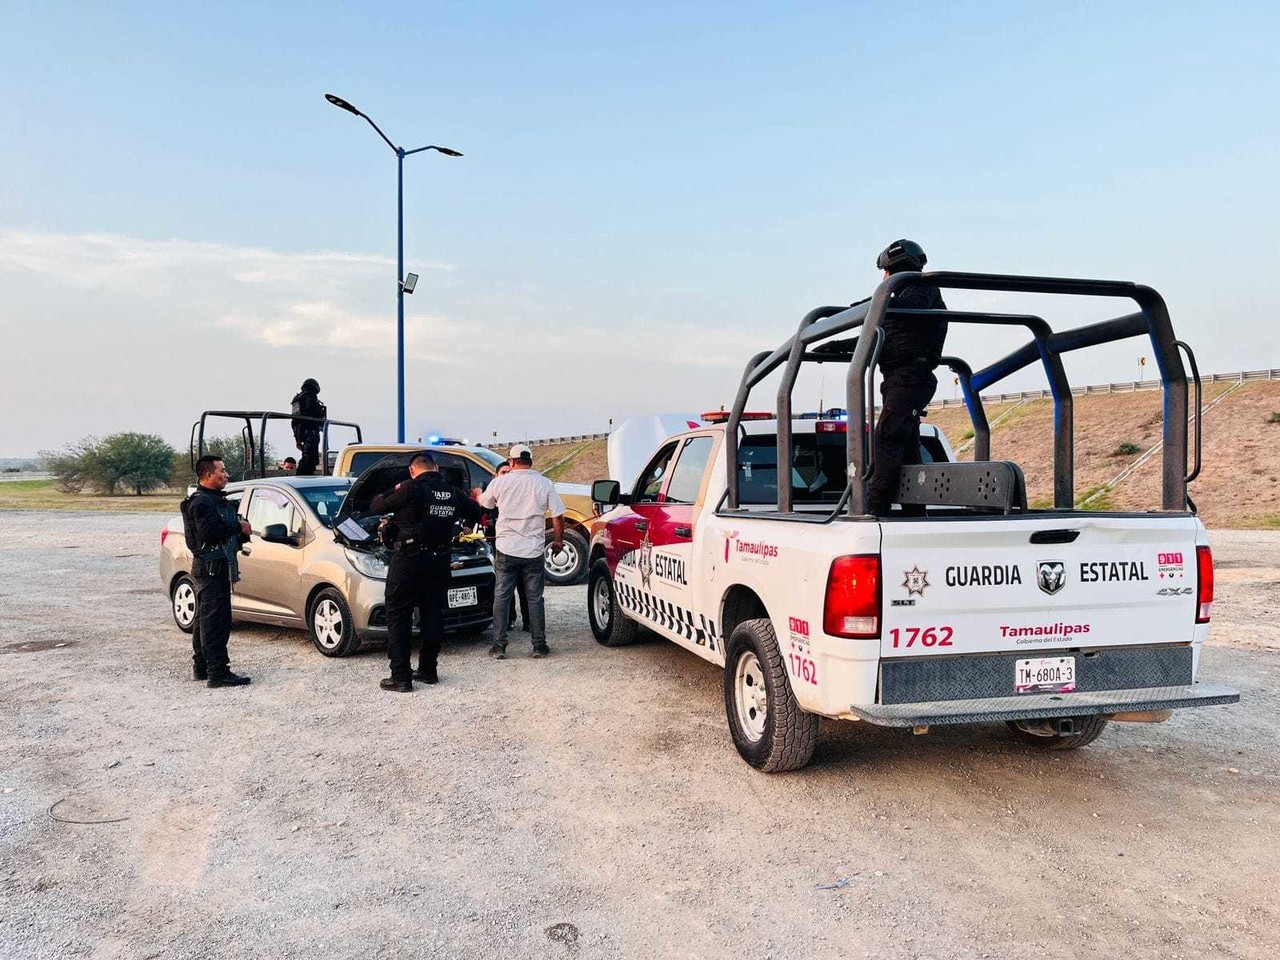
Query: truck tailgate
{"x": 1037, "y": 584}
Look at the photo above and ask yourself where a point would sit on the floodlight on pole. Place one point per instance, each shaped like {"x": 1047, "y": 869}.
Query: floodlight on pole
{"x": 403, "y": 283}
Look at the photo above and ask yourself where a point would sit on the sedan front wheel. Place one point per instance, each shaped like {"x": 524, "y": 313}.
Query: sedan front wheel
{"x": 332, "y": 629}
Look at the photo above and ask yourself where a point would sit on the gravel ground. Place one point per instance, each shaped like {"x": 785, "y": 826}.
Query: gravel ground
{"x": 588, "y": 805}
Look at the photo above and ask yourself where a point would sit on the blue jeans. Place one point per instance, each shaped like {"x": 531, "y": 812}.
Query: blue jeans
{"x": 507, "y": 570}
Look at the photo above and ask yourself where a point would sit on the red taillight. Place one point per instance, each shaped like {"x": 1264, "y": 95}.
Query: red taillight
{"x": 1204, "y": 583}
{"x": 832, "y": 426}
{"x": 164, "y": 533}
{"x": 853, "y": 597}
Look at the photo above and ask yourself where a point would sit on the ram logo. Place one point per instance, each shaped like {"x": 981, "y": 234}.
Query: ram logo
{"x": 1051, "y": 575}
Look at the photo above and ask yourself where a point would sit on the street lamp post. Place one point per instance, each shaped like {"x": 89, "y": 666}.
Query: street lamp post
{"x": 400, "y": 153}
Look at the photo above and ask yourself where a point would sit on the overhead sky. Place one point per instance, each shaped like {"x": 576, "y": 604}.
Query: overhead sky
{"x": 651, "y": 193}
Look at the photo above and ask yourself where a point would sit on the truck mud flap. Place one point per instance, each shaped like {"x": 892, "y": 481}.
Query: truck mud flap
{"x": 1045, "y": 705}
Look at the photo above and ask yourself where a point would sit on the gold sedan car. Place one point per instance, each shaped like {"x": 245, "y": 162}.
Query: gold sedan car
{"x": 298, "y": 571}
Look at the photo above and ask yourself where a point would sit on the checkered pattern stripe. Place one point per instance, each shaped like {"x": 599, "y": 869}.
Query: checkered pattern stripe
{"x": 682, "y": 622}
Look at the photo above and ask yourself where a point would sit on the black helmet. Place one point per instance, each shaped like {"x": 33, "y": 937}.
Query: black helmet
{"x": 310, "y": 384}
{"x": 902, "y": 255}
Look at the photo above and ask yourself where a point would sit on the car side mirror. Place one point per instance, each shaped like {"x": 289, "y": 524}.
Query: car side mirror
{"x": 278, "y": 533}
{"x": 607, "y": 493}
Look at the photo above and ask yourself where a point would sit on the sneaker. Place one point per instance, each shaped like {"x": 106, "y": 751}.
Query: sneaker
{"x": 540, "y": 650}
{"x": 227, "y": 679}
{"x": 396, "y": 686}
{"x": 498, "y": 651}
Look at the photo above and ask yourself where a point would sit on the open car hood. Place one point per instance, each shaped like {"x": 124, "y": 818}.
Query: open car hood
{"x": 380, "y": 478}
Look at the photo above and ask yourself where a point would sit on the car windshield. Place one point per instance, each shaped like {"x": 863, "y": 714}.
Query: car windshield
{"x": 325, "y": 501}
{"x": 489, "y": 457}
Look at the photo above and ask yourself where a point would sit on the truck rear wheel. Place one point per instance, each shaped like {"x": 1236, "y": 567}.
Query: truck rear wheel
{"x": 1044, "y": 734}
{"x": 610, "y": 626}
{"x": 769, "y": 729}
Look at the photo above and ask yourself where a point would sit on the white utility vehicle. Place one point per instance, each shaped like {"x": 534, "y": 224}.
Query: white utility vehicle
{"x": 981, "y": 610}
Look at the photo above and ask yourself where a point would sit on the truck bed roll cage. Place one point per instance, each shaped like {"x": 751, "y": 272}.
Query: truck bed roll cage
{"x": 255, "y": 450}
{"x": 1046, "y": 346}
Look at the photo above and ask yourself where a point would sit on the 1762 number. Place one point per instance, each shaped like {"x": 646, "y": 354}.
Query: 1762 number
{"x": 925, "y": 636}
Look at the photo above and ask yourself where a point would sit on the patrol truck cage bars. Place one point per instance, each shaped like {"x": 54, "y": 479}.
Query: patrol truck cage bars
{"x": 1046, "y": 345}
{"x": 255, "y": 451}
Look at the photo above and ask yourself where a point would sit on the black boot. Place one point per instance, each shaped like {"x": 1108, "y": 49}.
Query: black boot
{"x": 199, "y": 671}
{"x": 226, "y": 679}
{"x": 397, "y": 686}
{"x": 426, "y": 673}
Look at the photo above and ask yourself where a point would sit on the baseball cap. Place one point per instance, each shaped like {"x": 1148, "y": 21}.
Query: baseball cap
{"x": 520, "y": 452}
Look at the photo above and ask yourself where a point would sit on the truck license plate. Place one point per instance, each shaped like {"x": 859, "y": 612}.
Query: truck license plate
{"x": 466, "y": 597}
{"x": 1046, "y": 675}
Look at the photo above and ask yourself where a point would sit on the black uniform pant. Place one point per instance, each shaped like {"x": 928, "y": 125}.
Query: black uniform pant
{"x": 905, "y": 393}
{"x": 420, "y": 582}
{"x": 309, "y": 445}
{"x": 213, "y": 619}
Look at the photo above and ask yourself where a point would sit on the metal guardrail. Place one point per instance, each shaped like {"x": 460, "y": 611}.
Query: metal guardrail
{"x": 1133, "y": 386}
{"x": 547, "y": 441}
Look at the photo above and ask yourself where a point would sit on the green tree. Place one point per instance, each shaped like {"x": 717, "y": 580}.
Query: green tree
{"x": 74, "y": 466}
{"x": 138, "y": 461}
{"x": 230, "y": 448}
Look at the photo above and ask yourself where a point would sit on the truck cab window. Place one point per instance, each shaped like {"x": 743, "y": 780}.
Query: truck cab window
{"x": 686, "y": 476}
{"x": 650, "y": 483}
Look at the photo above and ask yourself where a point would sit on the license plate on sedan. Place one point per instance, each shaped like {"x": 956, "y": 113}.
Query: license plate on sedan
{"x": 1045, "y": 675}
{"x": 464, "y": 597}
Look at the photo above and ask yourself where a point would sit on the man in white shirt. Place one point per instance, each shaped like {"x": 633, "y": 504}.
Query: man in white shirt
{"x": 523, "y": 498}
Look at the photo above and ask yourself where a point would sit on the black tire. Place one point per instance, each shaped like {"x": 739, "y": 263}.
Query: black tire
{"x": 1088, "y": 729}
{"x": 329, "y": 622}
{"x": 182, "y": 603}
{"x": 777, "y": 735}
{"x": 609, "y": 625}
{"x": 569, "y": 566}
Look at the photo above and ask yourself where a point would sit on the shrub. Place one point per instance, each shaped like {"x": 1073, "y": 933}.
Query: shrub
{"x": 1126, "y": 449}
{"x": 967, "y": 435}
{"x": 136, "y": 461}
{"x": 1275, "y": 417}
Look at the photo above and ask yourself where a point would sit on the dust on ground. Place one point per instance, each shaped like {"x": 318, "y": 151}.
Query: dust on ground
{"x": 587, "y": 805}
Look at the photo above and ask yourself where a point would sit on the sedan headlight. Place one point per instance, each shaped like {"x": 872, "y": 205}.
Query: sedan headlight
{"x": 370, "y": 564}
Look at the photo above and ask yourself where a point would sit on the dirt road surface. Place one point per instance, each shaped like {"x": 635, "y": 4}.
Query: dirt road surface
{"x": 588, "y": 805}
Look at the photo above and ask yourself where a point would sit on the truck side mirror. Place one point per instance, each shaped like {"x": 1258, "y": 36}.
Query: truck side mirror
{"x": 607, "y": 493}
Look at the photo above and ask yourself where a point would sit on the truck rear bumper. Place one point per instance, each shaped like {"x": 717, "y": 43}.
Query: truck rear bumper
{"x": 1045, "y": 705}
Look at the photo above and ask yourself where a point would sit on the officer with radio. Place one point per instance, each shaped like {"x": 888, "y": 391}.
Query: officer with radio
{"x": 425, "y": 509}
{"x": 214, "y": 534}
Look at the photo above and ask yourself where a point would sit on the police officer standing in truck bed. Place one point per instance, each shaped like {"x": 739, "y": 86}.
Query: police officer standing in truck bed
{"x": 912, "y": 349}
{"x": 426, "y": 508}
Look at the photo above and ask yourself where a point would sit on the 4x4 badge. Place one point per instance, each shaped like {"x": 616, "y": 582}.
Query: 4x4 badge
{"x": 1051, "y": 575}
{"x": 916, "y": 580}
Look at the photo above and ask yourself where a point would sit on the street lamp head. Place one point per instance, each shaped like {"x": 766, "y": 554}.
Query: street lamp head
{"x": 339, "y": 102}
{"x": 446, "y": 151}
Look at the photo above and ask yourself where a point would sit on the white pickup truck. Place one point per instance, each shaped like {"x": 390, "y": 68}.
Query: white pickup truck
{"x": 981, "y": 610}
